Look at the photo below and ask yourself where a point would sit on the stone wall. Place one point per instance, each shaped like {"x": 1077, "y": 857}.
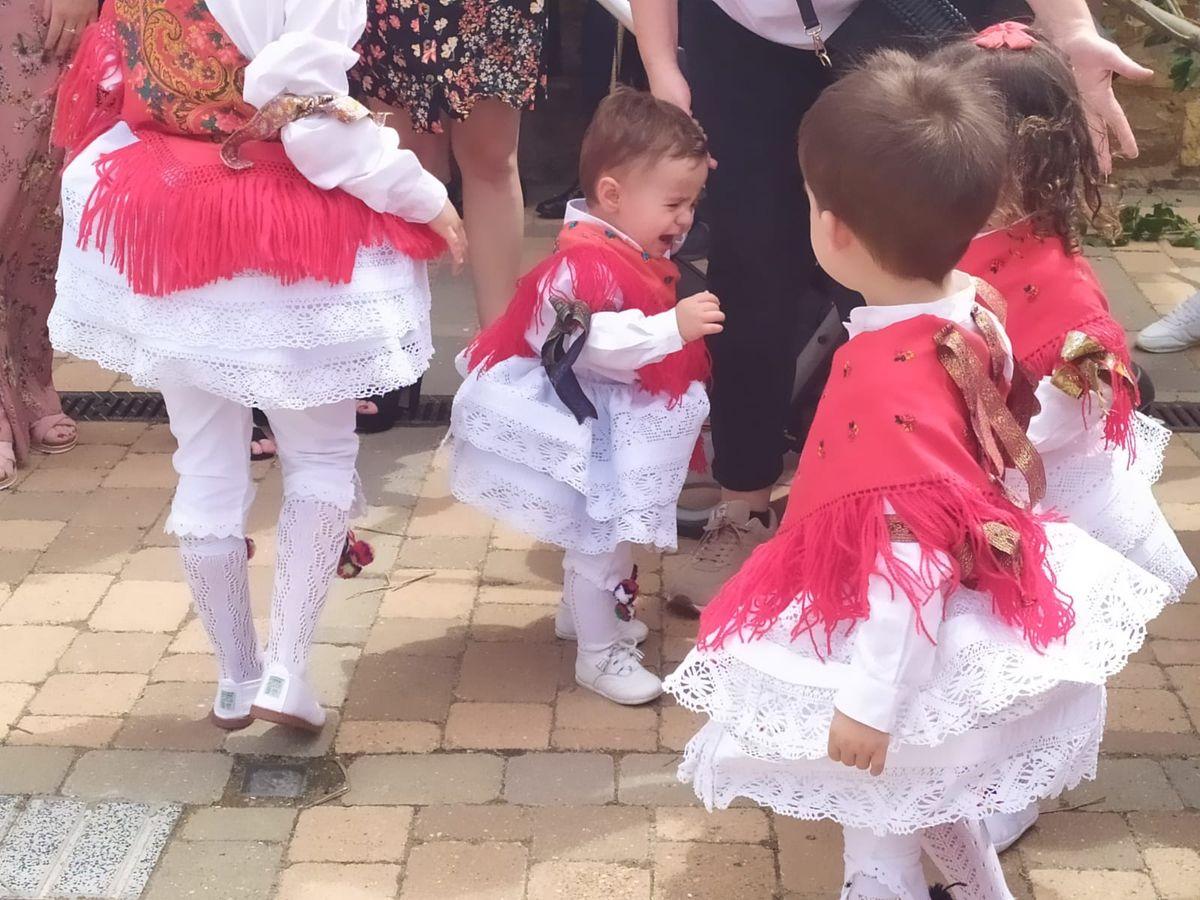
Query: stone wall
{"x": 1166, "y": 122}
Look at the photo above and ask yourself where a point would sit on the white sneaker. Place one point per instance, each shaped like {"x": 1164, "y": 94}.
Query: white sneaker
{"x": 617, "y": 673}
{"x": 231, "y": 708}
{"x": 287, "y": 699}
{"x": 1005, "y": 829}
{"x": 635, "y": 630}
{"x": 1177, "y": 330}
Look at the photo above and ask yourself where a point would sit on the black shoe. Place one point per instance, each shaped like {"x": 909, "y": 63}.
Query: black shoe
{"x": 556, "y": 207}
{"x": 387, "y": 409}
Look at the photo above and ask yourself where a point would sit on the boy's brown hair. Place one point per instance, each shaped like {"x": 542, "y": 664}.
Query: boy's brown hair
{"x": 636, "y": 127}
{"x": 911, "y": 156}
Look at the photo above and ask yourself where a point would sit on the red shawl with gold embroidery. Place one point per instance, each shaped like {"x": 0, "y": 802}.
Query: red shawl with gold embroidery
{"x": 1058, "y": 318}
{"x": 913, "y": 416}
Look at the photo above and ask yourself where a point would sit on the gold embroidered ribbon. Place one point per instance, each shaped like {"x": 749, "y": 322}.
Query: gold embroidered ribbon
{"x": 285, "y": 108}
{"x": 1084, "y": 362}
{"x": 1001, "y": 538}
{"x": 1000, "y": 438}
{"x": 1022, "y": 391}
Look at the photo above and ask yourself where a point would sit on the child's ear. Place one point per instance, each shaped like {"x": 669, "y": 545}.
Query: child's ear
{"x": 608, "y": 194}
{"x": 840, "y": 236}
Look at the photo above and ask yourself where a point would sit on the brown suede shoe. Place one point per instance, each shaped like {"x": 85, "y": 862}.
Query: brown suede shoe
{"x": 691, "y": 580}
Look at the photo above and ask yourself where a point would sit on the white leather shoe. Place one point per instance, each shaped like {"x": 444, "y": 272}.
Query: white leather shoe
{"x": 287, "y": 699}
{"x": 564, "y": 626}
{"x": 617, "y": 673}
{"x": 1005, "y": 829}
{"x": 231, "y": 708}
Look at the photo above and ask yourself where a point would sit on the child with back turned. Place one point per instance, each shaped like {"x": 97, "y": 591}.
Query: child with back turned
{"x": 913, "y": 650}
{"x": 583, "y": 404}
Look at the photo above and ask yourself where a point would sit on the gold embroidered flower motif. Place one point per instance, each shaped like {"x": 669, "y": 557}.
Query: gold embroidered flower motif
{"x": 904, "y": 356}
{"x": 852, "y": 430}
{"x": 846, "y": 370}
{"x": 908, "y": 423}
{"x": 821, "y": 449}
{"x": 1031, "y": 291}
{"x": 995, "y": 266}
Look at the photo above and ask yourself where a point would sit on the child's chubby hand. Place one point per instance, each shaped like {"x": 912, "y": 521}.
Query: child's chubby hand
{"x": 854, "y": 744}
{"x": 699, "y": 316}
{"x": 449, "y": 227}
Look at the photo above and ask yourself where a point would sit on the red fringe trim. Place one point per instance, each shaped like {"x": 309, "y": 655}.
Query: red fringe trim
{"x": 1106, "y": 331}
{"x": 596, "y": 283}
{"x": 826, "y": 559}
{"x": 84, "y": 110}
{"x": 171, "y": 216}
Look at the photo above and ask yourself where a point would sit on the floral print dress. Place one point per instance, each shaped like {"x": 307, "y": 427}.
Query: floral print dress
{"x": 435, "y": 57}
{"x": 30, "y": 225}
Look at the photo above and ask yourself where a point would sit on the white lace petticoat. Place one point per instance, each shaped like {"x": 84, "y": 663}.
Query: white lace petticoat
{"x": 1004, "y": 768}
{"x": 772, "y": 699}
{"x": 1111, "y": 498}
{"x": 249, "y": 339}
{"x": 520, "y": 456}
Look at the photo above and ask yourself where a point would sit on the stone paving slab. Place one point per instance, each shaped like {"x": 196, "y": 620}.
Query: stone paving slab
{"x": 474, "y": 766}
{"x": 57, "y": 847}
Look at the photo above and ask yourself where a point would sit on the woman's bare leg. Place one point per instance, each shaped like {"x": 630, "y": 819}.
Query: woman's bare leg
{"x": 485, "y": 148}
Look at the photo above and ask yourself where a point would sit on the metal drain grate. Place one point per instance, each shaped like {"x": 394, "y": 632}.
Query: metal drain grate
{"x": 148, "y": 406}
{"x": 1176, "y": 415}
{"x": 114, "y": 406}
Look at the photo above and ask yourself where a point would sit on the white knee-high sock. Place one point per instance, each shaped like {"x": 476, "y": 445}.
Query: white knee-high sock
{"x": 312, "y": 534}
{"x": 964, "y": 855}
{"x": 883, "y": 867}
{"x": 216, "y": 572}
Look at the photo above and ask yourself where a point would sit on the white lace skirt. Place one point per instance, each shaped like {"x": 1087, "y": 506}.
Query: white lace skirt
{"x": 1111, "y": 498}
{"x": 995, "y": 727}
{"x": 519, "y": 455}
{"x": 249, "y": 339}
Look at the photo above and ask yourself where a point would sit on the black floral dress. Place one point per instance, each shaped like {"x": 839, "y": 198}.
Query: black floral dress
{"x": 435, "y": 57}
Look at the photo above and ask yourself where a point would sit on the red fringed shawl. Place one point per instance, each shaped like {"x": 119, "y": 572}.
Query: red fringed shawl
{"x": 911, "y": 415}
{"x": 608, "y": 274}
{"x": 167, "y": 212}
{"x": 1051, "y": 294}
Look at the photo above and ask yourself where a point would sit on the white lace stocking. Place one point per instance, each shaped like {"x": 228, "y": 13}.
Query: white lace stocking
{"x": 311, "y": 536}
{"x": 966, "y": 858}
{"x": 883, "y": 867}
{"x": 216, "y": 573}
{"x": 596, "y": 624}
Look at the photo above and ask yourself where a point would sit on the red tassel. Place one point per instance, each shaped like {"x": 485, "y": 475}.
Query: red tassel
{"x": 699, "y": 461}
{"x": 84, "y": 109}
{"x": 156, "y": 195}
{"x": 828, "y": 557}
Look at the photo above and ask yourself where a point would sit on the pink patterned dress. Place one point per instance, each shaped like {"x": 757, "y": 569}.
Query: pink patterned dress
{"x": 30, "y": 225}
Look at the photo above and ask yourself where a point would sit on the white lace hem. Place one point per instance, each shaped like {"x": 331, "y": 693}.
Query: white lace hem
{"x": 295, "y": 379}
{"x": 775, "y": 697}
{"x": 1013, "y": 773}
{"x": 550, "y": 511}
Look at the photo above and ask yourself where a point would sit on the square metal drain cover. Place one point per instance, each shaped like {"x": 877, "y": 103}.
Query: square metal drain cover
{"x": 263, "y": 780}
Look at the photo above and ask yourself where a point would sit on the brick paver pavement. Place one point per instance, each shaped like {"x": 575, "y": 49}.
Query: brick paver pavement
{"x": 472, "y": 765}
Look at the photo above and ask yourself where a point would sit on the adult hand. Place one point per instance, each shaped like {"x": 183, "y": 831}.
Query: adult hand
{"x": 1069, "y": 24}
{"x": 1095, "y": 61}
{"x": 449, "y": 227}
{"x": 66, "y": 20}
{"x": 667, "y": 83}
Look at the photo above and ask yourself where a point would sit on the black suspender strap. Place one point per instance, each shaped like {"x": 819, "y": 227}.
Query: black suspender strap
{"x": 813, "y": 26}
